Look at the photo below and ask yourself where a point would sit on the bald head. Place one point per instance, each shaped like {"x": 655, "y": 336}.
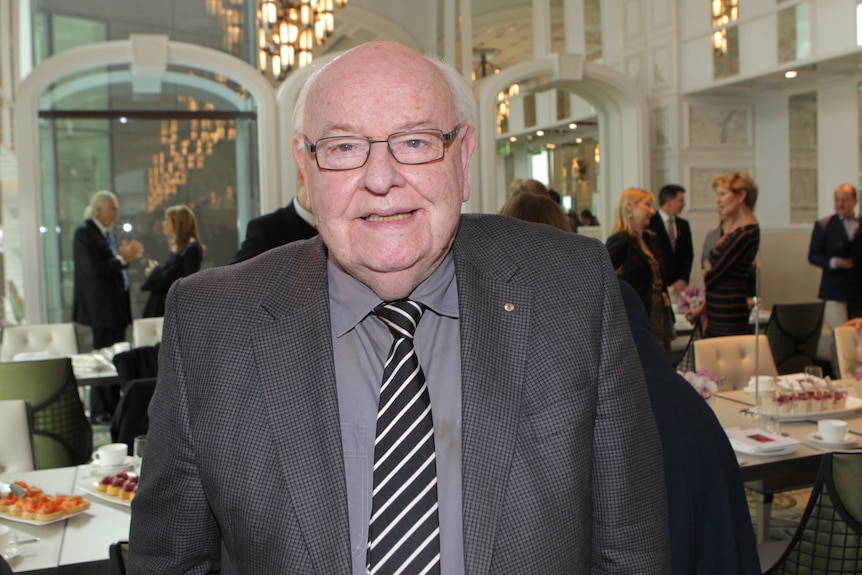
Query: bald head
{"x": 845, "y": 200}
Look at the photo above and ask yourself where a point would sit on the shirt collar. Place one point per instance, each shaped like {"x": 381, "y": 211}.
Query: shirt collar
{"x": 664, "y": 216}
{"x": 351, "y": 301}
{"x": 303, "y": 213}
{"x": 99, "y": 225}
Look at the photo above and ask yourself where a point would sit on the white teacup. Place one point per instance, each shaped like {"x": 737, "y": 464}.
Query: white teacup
{"x": 4, "y": 537}
{"x": 111, "y": 455}
{"x": 832, "y": 430}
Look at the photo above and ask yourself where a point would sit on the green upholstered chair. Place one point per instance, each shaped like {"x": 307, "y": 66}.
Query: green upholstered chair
{"x": 828, "y": 540}
{"x": 62, "y": 436}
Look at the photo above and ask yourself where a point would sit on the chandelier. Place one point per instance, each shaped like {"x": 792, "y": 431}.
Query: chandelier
{"x": 724, "y": 12}
{"x": 288, "y": 30}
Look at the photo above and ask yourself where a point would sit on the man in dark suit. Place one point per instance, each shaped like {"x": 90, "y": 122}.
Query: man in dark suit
{"x": 288, "y": 224}
{"x": 262, "y": 448}
{"x": 830, "y": 251}
{"x": 101, "y": 293}
{"x": 676, "y": 253}
{"x": 705, "y": 492}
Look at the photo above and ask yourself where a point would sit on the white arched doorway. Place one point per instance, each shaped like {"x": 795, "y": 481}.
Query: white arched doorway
{"x": 623, "y": 124}
{"x": 143, "y": 62}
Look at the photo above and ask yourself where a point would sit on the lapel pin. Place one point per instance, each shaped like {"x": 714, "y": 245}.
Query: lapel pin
{"x": 509, "y": 306}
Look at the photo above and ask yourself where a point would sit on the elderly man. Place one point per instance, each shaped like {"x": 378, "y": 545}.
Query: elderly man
{"x": 830, "y": 251}
{"x": 511, "y": 432}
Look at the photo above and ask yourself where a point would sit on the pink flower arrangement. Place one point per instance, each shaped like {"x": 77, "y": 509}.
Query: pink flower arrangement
{"x": 691, "y": 297}
{"x": 705, "y": 384}
{"x": 859, "y": 373}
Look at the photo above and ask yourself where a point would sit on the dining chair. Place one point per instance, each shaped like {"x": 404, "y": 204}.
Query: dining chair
{"x": 130, "y": 418}
{"x": 62, "y": 436}
{"x": 828, "y": 540}
{"x": 16, "y": 421}
{"x": 44, "y": 340}
{"x": 793, "y": 332}
{"x": 147, "y": 331}
{"x": 118, "y": 558}
{"x": 848, "y": 351}
{"x": 732, "y": 358}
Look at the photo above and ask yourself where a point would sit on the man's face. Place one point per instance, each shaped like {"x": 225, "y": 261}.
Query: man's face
{"x": 107, "y": 212}
{"x": 389, "y": 225}
{"x": 845, "y": 201}
{"x": 675, "y": 205}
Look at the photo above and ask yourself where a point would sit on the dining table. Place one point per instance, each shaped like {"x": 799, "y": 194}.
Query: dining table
{"x": 767, "y": 475}
{"x": 78, "y": 544}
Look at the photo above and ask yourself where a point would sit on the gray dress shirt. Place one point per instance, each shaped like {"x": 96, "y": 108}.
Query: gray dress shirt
{"x": 361, "y": 343}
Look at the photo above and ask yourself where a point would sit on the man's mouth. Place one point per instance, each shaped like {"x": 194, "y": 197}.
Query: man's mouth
{"x": 391, "y": 218}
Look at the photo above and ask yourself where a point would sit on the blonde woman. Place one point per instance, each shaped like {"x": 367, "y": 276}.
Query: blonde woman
{"x": 187, "y": 252}
{"x": 632, "y": 249}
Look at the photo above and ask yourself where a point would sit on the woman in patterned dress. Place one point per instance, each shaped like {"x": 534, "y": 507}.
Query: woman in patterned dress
{"x": 632, "y": 251}
{"x": 726, "y": 307}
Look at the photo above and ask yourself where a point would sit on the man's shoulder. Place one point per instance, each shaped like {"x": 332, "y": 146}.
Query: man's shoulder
{"x": 287, "y": 212}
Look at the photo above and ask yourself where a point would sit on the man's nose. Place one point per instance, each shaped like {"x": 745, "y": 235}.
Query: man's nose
{"x": 381, "y": 169}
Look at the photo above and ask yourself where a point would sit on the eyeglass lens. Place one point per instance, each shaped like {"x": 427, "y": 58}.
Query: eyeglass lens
{"x": 349, "y": 152}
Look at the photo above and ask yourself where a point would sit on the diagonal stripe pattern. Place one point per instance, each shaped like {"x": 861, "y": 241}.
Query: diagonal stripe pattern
{"x": 404, "y": 531}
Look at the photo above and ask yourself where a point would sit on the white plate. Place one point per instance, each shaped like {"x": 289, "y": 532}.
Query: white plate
{"x": 92, "y": 489}
{"x": 102, "y": 470}
{"x": 782, "y": 451}
{"x": 849, "y": 441}
{"x": 12, "y": 552}
{"x": 853, "y": 403}
{"x": 34, "y": 522}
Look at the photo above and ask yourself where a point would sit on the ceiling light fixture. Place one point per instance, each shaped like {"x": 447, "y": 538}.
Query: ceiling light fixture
{"x": 790, "y": 74}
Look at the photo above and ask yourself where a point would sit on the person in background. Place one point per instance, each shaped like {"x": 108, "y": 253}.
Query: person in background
{"x": 725, "y": 307}
{"x": 830, "y": 251}
{"x": 187, "y": 253}
{"x": 536, "y": 208}
{"x": 528, "y": 186}
{"x": 526, "y": 398}
{"x": 854, "y": 279}
{"x": 673, "y": 235}
{"x": 100, "y": 298}
{"x": 288, "y": 224}
{"x": 588, "y": 219}
{"x": 710, "y": 524}
{"x": 632, "y": 248}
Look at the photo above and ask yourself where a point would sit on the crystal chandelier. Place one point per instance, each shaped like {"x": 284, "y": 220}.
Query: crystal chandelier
{"x": 288, "y": 30}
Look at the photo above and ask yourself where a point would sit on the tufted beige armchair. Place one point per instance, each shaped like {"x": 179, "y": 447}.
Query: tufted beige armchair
{"x": 38, "y": 341}
{"x": 147, "y": 331}
{"x": 848, "y": 351}
{"x": 732, "y": 358}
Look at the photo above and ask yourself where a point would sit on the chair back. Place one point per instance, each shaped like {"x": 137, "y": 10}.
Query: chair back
{"x": 848, "y": 351}
{"x": 130, "y": 417}
{"x": 793, "y": 332}
{"x": 829, "y": 537}
{"x": 16, "y": 427}
{"x": 147, "y": 331}
{"x": 732, "y": 358}
{"x": 62, "y": 436}
{"x": 118, "y": 558}
{"x": 26, "y": 342}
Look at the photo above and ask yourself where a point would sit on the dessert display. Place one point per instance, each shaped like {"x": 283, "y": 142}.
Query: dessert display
{"x": 798, "y": 394}
{"x": 121, "y": 485}
{"x": 36, "y": 505}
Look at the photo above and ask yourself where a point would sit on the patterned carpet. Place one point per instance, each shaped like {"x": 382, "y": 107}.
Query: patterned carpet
{"x": 787, "y": 509}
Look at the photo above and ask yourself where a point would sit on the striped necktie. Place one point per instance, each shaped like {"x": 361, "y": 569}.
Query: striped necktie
{"x": 671, "y": 232}
{"x": 404, "y": 531}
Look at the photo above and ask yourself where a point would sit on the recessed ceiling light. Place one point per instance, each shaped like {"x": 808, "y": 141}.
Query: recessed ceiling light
{"x": 790, "y": 74}
{"x": 540, "y": 132}
{"x": 572, "y": 126}
{"x": 513, "y": 138}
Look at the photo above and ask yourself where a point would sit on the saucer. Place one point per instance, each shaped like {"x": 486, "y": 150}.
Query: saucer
{"x": 848, "y": 441}
{"x": 102, "y": 469}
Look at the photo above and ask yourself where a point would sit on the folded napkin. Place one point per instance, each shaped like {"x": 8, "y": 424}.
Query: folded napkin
{"x": 756, "y": 441}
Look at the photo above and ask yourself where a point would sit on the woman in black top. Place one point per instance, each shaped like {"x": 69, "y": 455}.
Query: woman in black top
{"x": 187, "y": 252}
{"x": 633, "y": 254}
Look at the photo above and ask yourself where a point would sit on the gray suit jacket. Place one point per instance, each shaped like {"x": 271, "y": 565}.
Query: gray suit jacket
{"x": 561, "y": 459}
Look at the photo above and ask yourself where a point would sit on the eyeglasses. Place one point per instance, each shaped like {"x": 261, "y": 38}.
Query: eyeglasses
{"x": 410, "y": 148}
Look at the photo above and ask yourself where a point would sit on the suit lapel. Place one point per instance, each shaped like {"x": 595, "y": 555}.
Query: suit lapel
{"x": 295, "y": 358}
{"x": 495, "y": 313}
